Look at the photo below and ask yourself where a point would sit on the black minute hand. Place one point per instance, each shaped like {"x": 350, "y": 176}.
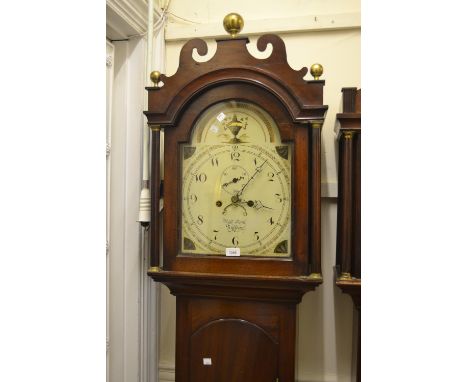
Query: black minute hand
{"x": 253, "y": 176}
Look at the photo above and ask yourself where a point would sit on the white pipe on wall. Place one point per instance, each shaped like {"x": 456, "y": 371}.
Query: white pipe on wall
{"x": 149, "y": 46}
{"x": 160, "y": 65}
{"x": 144, "y": 215}
{"x": 149, "y": 66}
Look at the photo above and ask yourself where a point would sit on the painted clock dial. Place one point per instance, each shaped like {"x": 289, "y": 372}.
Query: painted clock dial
{"x": 236, "y": 184}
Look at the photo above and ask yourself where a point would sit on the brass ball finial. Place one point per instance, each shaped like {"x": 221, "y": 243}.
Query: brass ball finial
{"x": 155, "y": 77}
{"x": 316, "y": 70}
{"x": 233, "y": 24}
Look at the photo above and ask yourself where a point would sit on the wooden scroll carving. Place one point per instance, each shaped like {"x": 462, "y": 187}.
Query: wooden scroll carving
{"x": 233, "y": 63}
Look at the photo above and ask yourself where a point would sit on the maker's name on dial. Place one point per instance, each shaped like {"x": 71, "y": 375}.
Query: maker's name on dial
{"x": 234, "y": 225}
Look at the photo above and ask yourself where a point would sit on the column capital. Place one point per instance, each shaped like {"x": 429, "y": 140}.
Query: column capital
{"x": 348, "y": 134}
{"x": 316, "y": 124}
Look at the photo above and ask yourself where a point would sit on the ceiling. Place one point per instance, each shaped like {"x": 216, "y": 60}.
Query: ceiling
{"x": 125, "y": 18}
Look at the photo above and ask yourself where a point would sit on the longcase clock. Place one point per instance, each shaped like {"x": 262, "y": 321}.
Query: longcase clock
{"x": 241, "y": 218}
{"x": 348, "y": 237}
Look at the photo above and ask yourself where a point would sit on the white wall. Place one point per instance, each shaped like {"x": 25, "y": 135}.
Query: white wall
{"x": 324, "y": 316}
{"x": 208, "y": 11}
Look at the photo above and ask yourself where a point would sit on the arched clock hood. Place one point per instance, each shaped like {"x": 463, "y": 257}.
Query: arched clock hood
{"x": 232, "y": 62}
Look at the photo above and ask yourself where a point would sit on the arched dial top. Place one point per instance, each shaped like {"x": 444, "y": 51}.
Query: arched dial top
{"x": 235, "y": 122}
{"x": 236, "y": 184}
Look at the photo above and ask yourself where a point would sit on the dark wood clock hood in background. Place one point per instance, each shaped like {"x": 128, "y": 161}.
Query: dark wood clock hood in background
{"x": 224, "y": 299}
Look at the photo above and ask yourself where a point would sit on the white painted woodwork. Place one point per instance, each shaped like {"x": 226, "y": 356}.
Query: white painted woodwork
{"x": 206, "y": 11}
{"x": 124, "y": 257}
{"x": 116, "y": 27}
{"x": 307, "y": 23}
{"x": 109, "y": 89}
{"x": 149, "y": 291}
{"x": 132, "y": 13}
{"x": 129, "y": 17}
{"x": 133, "y": 297}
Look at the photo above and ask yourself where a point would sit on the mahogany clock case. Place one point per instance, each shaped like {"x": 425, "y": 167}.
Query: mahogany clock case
{"x": 237, "y": 314}
{"x": 348, "y": 238}
{"x": 348, "y": 243}
{"x": 233, "y": 74}
{"x": 296, "y": 133}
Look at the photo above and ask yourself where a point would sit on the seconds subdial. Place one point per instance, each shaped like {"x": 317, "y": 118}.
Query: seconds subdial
{"x": 233, "y": 179}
